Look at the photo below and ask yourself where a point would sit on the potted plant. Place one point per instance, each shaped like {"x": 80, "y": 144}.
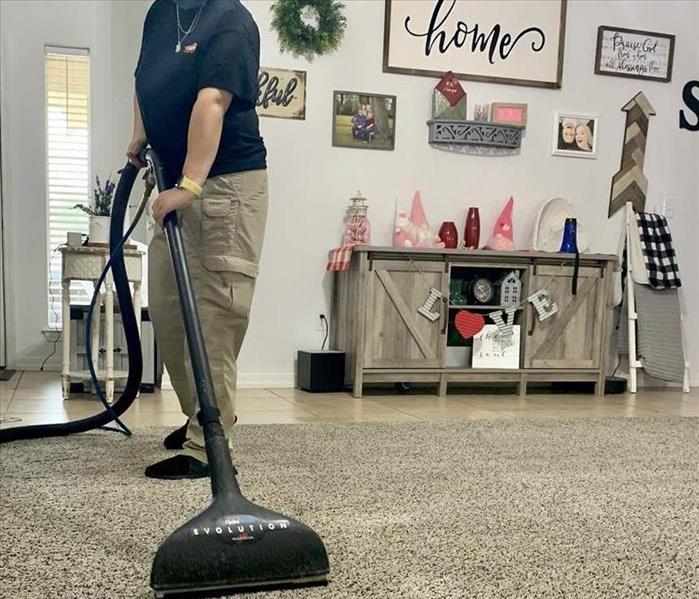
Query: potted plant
{"x": 100, "y": 210}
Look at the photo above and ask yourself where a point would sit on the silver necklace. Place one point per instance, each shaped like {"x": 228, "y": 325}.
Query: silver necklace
{"x": 182, "y": 33}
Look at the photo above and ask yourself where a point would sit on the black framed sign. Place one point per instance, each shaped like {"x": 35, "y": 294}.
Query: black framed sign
{"x": 282, "y": 93}
{"x": 508, "y": 41}
{"x": 634, "y": 53}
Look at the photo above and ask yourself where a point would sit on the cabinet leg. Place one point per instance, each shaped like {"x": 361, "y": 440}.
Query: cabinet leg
{"x": 358, "y": 386}
{"x": 96, "y": 322}
{"x": 137, "y": 309}
{"x": 109, "y": 309}
{"x": 65, "y": 385}
{"x": 600, "y": 385}
{"x": 137, "y": 303}
{"x": 522, "y": 387}
{"x": 65, "y": 348}
{"x": 443, "y": 385}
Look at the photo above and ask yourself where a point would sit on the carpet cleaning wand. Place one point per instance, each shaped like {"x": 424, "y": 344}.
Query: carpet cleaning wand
{"x": 233, "y": 544}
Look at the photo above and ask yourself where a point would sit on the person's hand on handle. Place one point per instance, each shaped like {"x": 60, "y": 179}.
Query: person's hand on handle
{"x": 138, "y": 138}
{"x": 169, "y": 200}
{"x": 133, "y": 152}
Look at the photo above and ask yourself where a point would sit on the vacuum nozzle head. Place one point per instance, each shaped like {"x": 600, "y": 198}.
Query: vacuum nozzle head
{"x": 235, "y": 545}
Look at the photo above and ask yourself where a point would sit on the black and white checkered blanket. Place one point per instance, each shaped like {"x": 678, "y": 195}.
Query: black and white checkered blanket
{"x": 658, "y": 252}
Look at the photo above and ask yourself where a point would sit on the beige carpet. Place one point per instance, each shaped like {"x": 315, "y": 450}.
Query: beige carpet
{"x": 492, "y": 509}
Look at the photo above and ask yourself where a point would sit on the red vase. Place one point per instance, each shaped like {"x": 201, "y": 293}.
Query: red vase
{"x": 472, "y": 230}
{"x": 449, "y": 235}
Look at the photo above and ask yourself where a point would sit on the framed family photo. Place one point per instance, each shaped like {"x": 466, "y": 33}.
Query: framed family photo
{"x": 575, "y": 135}
{"x": 364, "y": 120}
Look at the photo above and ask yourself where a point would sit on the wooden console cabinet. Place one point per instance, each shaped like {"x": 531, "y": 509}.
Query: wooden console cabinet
{"x": 376, "y": 322}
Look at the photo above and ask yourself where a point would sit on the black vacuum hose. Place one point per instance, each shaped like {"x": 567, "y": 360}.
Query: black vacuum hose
{"x": 133, "y": 342}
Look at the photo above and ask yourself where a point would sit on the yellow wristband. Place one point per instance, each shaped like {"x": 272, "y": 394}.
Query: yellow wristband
{"x": 186, "y": 183}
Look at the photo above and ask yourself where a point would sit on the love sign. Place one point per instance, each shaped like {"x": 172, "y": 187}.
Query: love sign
{"x": 282, "y": 93}
{"x": 468, "y": 323}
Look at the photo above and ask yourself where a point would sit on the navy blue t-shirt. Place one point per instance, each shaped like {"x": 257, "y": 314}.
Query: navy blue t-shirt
{"x": 222, "y": 51}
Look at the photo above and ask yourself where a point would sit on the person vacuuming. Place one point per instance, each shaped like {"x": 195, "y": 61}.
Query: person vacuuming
{"x": 196, "y": 88}
{"x": 213, "y": 222}
{"x": 233, "y": 544}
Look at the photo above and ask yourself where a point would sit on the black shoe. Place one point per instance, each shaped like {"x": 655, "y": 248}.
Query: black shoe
{"x": 177, "y": 468}
{"x": 176, "y": 439}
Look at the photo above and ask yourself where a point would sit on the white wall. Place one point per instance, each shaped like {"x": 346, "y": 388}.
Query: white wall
{"x": 26, "y": 26}
{"x": 310, "y": 181}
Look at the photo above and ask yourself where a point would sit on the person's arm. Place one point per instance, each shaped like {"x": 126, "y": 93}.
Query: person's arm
{"x": 205, "y": 126}
{"x": 204, "y": 135}
{"x": 138, "y": 137}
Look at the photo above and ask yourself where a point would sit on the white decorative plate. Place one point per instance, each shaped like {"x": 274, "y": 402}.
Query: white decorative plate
{"x": 548, "y": 231}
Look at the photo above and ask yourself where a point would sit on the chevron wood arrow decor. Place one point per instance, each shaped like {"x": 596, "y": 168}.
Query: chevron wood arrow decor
{"x": 629, "y": 184}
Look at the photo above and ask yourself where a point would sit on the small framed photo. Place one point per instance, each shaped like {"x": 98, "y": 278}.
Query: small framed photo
{"x": 575, "y": 134}
{"x": 508, "y": 113}
{"x": 364, "y": 120}
{"x": 481, "y": 112}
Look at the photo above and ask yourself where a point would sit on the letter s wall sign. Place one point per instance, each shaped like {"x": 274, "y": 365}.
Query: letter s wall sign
{"x": 689, "y": 117}
{"x": 508, "y": 41}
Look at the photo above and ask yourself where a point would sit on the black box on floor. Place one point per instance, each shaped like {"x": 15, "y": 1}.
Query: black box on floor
{"x": 319, "y": 371}
{"x": 613, "y": 385}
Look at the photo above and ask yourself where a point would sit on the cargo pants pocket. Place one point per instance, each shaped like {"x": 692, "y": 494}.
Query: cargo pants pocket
{"x": 219, "y": 224}
{"x": 226, "y": 291}
{"x": 228, "y": 282}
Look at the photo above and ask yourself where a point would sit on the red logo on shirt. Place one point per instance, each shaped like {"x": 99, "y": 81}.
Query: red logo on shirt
{"x": 191, "y": 49}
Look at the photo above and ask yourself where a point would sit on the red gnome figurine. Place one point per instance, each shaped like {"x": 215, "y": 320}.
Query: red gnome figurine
{"x": 501, "y": 239}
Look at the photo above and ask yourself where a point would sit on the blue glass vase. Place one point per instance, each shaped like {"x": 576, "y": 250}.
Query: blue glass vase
{"x": 569, "y": 245}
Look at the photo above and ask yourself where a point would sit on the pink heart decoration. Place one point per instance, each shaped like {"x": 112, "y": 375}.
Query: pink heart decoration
{"x": 468, "y": 323}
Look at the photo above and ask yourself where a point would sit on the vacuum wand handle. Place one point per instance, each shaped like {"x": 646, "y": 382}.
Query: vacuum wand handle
{"x": 218, "y": 454}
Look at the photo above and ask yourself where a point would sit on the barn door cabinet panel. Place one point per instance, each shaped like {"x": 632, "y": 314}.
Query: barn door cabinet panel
{"x": 572, "y": 338}
{"x": 375, "y": 318}
{"x": 397, "y": 336}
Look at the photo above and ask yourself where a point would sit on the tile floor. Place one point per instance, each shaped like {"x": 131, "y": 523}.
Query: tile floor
{"x": 35, "y": 398}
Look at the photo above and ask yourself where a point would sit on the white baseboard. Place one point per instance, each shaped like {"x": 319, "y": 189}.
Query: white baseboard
{"x": 252, "y": 380}
{"x": 165, "y": 383}
{"x": 261, "y": 380}
{"x": 271, "y": 380}
{"x": 34, "y": 364}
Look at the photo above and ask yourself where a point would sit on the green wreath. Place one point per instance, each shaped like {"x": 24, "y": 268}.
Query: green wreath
{"x": 309, "y": 28}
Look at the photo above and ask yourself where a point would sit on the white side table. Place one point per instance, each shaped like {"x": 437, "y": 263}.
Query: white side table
{"x": 85, "y": 263}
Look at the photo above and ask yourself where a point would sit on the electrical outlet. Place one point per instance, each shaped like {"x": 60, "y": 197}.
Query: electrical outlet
{"x": 51, "y": 335}
{"x": 320, "y": 325}
{"x": 669, "y": 207}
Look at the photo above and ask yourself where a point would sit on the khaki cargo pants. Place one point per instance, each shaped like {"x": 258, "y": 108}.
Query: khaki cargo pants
{"x": 222, "y": 232}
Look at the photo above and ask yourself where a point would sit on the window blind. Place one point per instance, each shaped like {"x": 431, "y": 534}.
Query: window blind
{"x": 67, "y": 85}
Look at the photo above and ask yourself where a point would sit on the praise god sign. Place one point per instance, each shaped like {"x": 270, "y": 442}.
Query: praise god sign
{"x": 634, "y": 53}
{"x": 509, "y": 41}
{"x": 281, "y": 93}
